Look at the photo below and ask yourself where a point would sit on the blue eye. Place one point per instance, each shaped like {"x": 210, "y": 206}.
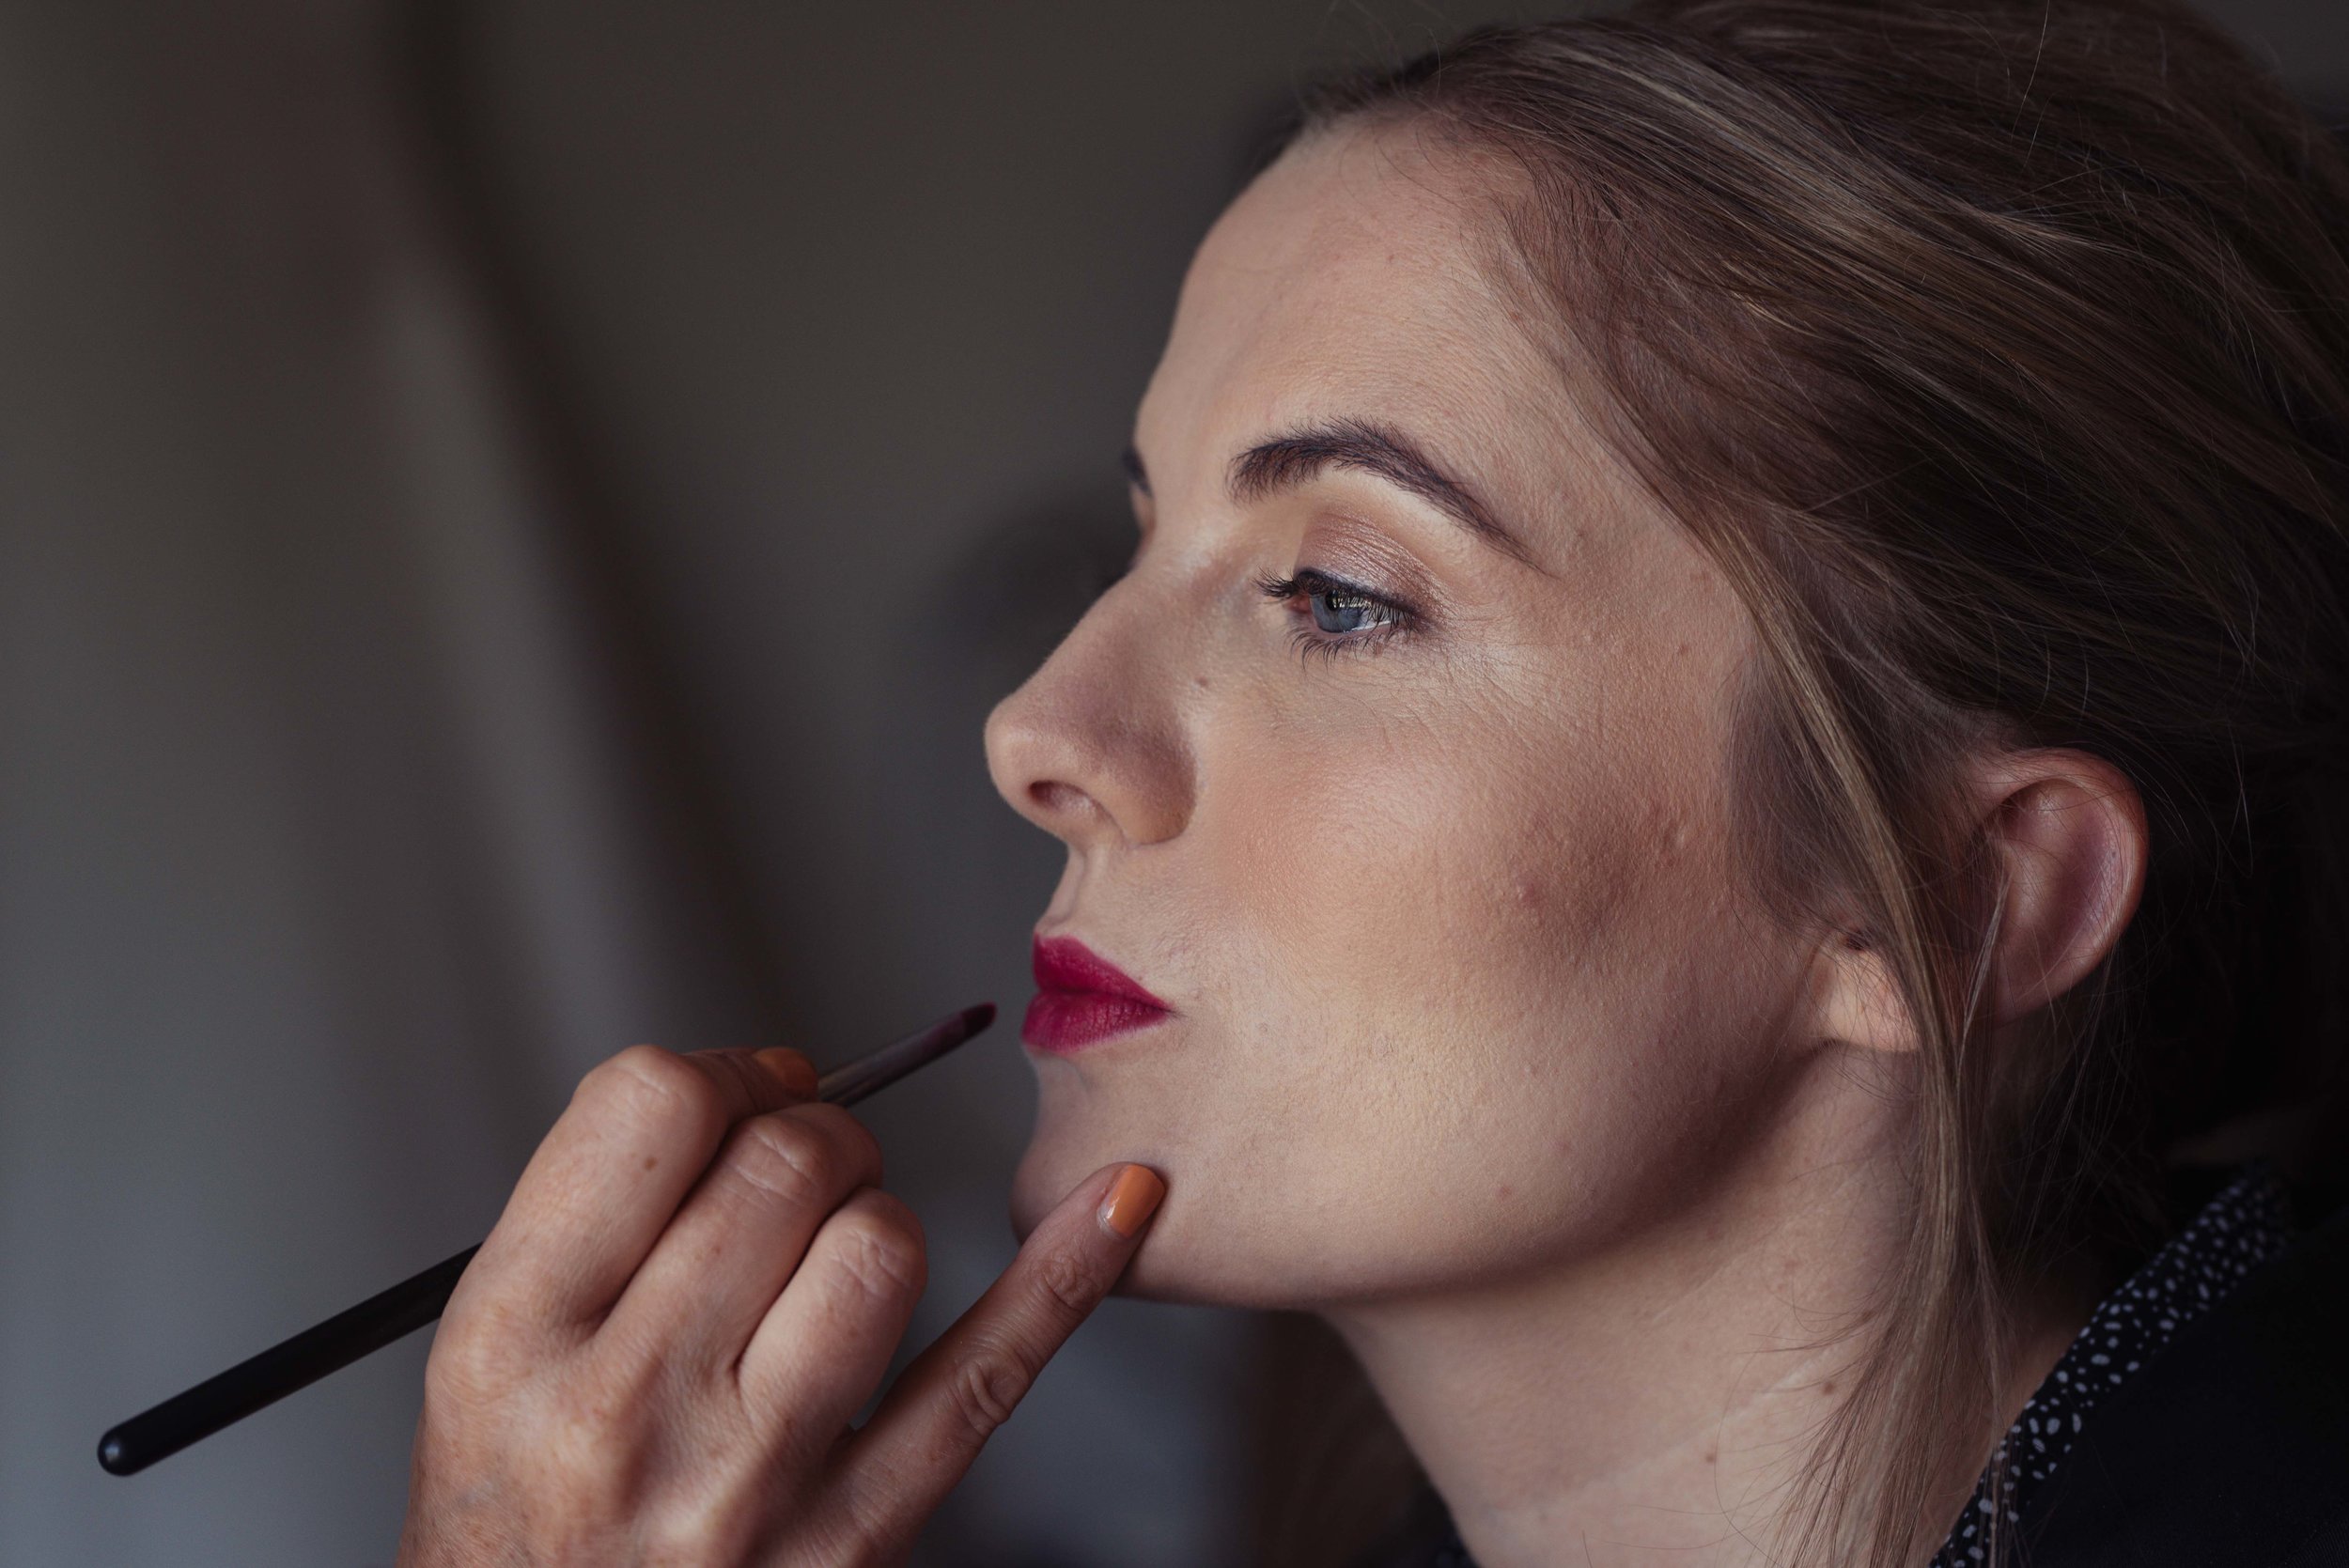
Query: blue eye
{"x": 1342, "y": 616}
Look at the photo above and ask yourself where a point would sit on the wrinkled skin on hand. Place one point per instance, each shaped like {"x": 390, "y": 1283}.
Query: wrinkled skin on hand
{"x": 698, "y": 1282}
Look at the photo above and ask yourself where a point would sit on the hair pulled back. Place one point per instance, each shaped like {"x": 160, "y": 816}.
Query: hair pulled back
{"x": 2000, "y": 353}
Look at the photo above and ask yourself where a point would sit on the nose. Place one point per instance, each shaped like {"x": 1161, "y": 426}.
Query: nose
{"x": 1091, "y": 748}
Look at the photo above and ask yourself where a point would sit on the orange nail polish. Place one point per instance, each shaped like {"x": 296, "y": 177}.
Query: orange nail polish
{"x": 1133, "y": 1198}
{"x": 796, "y": 1071}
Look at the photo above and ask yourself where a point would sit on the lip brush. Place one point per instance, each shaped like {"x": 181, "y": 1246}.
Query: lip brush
{"x": 408, "y": 1306}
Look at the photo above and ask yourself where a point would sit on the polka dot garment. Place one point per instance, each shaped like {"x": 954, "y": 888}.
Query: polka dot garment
{"x": 2247, "y": 1223}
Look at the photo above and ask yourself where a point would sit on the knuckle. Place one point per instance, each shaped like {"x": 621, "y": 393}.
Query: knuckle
{"x": 850, "y": 1136}
{"x": 458, "y": 1376}
{"x": 783, "y": 1158}
{"x": 986, "y": 1388}
{"x": 886, "y": 1259}
{"x": 892, "y": 1211}
{"x": 649, "y": 1086}
{"x": 475, "y": 1358}
{"x": 1066, "y": 1286}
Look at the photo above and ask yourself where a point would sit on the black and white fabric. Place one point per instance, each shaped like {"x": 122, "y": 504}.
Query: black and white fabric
{"x": 2248, "y": 1222}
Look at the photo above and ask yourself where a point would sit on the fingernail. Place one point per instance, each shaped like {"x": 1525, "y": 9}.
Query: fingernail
{"x": 796, "y": 1071}
{"x": 1133, "y": 1198}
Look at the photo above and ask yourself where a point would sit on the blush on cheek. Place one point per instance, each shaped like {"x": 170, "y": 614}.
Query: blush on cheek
{"x": 1549, "y": 897}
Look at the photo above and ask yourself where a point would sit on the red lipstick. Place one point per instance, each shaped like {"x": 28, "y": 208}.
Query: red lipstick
{"x": 1082, "y": 997}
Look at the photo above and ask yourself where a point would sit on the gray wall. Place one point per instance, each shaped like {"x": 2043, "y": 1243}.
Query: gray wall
{"x": 512, "y": 516}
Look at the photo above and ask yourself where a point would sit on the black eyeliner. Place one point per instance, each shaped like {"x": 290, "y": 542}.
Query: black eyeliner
{"x": 1401, "y": 620}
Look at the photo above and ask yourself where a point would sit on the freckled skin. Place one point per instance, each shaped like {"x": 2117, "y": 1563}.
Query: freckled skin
{"x": 1479, "y": 1050}
{"x": 1444, "y": 915}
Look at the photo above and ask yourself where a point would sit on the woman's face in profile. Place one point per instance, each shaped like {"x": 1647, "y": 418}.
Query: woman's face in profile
{"x": 1429, "y": 857}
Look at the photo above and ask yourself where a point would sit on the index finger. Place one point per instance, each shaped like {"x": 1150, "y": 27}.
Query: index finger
{"x": 605, "y": 1180}
{"x": 953, "y": 1397}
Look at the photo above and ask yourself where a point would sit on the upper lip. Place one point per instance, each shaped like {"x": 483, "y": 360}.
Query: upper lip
{"x": 1065, "y": 964}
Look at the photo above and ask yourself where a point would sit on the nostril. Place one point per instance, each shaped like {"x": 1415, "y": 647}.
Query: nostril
{"x": 1051, "y": 795}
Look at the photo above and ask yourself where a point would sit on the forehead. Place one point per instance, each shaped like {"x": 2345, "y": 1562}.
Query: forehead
{"x": 1353, "y": 280}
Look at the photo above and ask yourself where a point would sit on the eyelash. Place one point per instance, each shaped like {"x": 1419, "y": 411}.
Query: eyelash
{"x": 1396, "y": 619}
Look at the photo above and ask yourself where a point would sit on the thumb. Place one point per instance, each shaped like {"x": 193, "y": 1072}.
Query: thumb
{"x": 954, "y": 1396}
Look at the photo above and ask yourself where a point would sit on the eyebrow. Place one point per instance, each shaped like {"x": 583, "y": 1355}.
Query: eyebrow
{"x": 1298, "y": 456}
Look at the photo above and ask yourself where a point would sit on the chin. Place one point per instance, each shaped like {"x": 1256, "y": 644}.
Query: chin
{"x": 1049, "y": 1168}
{"x": 1180, "y": 1260}
{"x": 1159, "y": 1271}
{"x": 1030, "y": 1200}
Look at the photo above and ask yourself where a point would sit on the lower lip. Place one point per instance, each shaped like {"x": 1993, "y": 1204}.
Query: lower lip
{"x": 1064, "y": 1021}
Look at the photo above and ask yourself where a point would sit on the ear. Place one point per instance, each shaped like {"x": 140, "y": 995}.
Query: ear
{"x": 2064, "y": 831}
{"x": 2067, "y": 833}
{"x": 1856, "y": 1001}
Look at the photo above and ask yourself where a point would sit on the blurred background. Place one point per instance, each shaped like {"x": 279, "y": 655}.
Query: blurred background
{"x": 512, "y": 516}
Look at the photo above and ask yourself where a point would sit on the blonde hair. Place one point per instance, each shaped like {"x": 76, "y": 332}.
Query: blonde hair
{"x": 1996, "y": 351}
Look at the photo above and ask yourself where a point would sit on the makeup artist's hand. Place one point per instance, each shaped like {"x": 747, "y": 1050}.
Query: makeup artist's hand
{"x": 656, "y": 1354}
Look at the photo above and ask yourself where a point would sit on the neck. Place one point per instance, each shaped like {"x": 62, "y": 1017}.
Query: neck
{"x": 1652, "y": 1400}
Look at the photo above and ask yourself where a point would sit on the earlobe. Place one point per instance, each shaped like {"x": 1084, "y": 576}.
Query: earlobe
{"x": 1859, "y": 1003}
{"x": 2066, "y": 831}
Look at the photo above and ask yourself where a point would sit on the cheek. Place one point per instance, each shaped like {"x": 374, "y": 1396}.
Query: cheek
{"x": 1459, "y": 872}
{"x": 1508, "y": 962}
{"x": 1441, "y": 929}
